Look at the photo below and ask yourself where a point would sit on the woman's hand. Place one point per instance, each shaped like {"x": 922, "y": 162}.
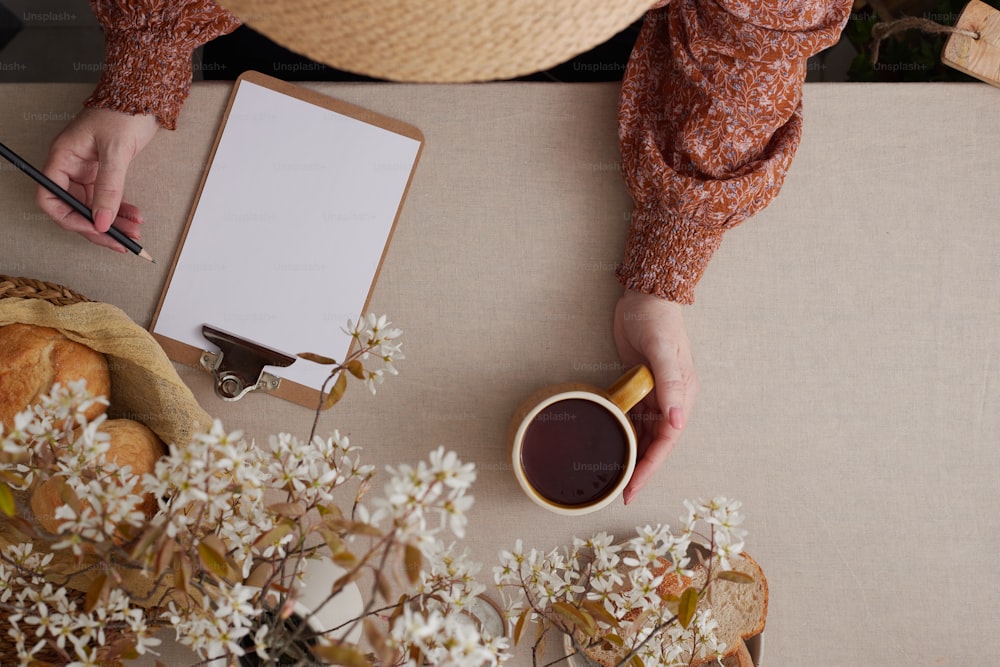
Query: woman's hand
{"x": 650, "y": 330}
{"x": 90, "y": 159}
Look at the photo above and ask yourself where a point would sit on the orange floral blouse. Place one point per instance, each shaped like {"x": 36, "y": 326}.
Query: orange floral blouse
{"x": 709, "y": 118}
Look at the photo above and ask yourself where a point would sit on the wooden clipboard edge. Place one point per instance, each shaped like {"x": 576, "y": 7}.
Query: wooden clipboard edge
{"x": 190, "y": 355}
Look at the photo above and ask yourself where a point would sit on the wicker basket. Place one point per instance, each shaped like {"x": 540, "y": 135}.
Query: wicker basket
{"x": 29, "y": 288}
{"x": 57, "y": 295}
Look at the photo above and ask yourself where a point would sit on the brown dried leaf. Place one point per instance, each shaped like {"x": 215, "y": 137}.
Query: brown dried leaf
{"x": 735, "y": 576}
{"x": 23, "y": 526}
{"x": 341, "y": 654}
{"x": 330, "y": 510}
{"x": 259, "y": 575}
{"x": 337, "y": 393}
{"x": 272, "y": 536}
{"x": 414, "y": 562}
{"x": 12, "y": 478}
{"x": 210, "y": 551}
{"x": 333, "y": 541}
{"x": 356, "y": 369}
{"x": 598, "y": 611}
{"x": 398, "y": 611}
{"x": 287, "y": 510}
{"x": 376, "y": 640}
{"x": 519, "y": 625}
{"x": 345, "y": 559}
{"x": 581, "y": 619}
{"x": 163, "y": 557}
{"x": 316, "y": 358}
{"x": 344, "y": 579}
{"x": 182, "y": 573}
{"x": 96, "y": 592}
{"x": 149, "y": 537}
{"x": 383, "y": 586}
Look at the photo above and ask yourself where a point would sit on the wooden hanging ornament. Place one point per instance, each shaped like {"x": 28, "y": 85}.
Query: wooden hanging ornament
{"x": 976, "y": 56}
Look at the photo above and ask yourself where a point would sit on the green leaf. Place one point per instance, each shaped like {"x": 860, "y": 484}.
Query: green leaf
{"x": 581, "y": 619}
{"x": 735, "y": 576}
{"x": 316, "y": 358}
{"x": 636, "y": 661}
{"x": 342, "y": 654}
{"x": 614, "y": 641}
{"x": 356, "y": 368}
{"x": 687, "y": 606}
{"x": 414, "y": 562}
{"x": 7, "y": 505}
{"x": 337, "y": 393}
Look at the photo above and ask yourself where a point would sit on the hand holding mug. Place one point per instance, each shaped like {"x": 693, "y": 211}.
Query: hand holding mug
{"x": 650, "y": 330}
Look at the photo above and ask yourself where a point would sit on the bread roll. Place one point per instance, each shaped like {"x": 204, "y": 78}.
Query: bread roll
{"x": 33, "y": 358}
{"x": 132, "y": 444}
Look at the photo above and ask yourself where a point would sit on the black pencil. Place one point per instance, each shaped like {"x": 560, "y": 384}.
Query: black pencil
{"x": 70, "y": 200}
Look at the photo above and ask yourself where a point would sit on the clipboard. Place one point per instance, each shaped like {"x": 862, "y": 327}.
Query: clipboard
{"x": 286, "y": 238}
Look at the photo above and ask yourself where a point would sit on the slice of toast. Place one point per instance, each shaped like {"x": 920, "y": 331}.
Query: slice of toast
{"x": 739, "y": 608}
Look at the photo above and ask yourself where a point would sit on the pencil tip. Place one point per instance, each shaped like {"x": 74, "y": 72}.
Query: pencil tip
{"x": 145, "y": 255}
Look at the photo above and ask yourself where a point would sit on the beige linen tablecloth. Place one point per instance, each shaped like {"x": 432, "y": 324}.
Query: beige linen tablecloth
{"x": 846, "y": 338}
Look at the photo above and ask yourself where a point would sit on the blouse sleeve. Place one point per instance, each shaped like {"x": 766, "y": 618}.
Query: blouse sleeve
{"x": 709, "y": 119}
{"x": 148, "y": 46}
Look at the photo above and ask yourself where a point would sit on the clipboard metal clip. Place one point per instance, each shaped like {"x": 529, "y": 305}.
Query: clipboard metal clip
{"x": 238, "y": 367}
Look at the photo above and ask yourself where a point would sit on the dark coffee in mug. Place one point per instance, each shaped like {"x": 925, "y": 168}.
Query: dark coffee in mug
{"x": 574, "y": 452}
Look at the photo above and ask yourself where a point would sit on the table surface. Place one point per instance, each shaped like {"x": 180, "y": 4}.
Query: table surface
{"x": 846, "y": 338}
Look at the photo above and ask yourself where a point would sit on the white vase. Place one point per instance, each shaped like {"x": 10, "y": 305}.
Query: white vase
{"x": 346, "y": 605}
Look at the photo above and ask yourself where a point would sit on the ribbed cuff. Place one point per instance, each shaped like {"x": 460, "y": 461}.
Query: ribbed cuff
{"x": 666, "y": 257}
{"x": 143, "y": 75}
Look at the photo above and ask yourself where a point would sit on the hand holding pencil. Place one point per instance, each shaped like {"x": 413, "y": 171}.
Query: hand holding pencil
{"x": 89, "y": 160}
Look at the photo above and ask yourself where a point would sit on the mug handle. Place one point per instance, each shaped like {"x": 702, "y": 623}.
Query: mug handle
{"x": 631, "y": 387}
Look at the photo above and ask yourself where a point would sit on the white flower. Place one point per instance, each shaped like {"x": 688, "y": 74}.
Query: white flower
{"x": 446, "y": 468}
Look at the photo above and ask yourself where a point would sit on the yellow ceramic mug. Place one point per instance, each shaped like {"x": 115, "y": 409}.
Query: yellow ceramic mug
{"x": 573, "y": 447}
